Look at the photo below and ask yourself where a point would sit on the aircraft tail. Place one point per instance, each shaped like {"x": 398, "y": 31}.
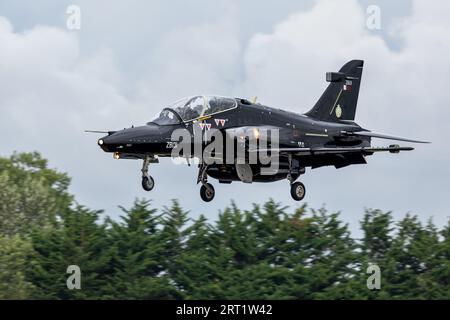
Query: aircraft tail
{"x": 339, "y": 100}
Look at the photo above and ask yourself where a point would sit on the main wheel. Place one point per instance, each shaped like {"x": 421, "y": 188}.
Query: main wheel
{"x": 148, "y": 183}
{"x": 298, "y": 191}
{"x": 207, "y": 194}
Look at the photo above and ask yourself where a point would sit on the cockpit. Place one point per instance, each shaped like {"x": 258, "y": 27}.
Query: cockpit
{"x": 191, "y": 108}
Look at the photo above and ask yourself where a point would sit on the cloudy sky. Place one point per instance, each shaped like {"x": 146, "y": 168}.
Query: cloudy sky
{"x": 130, "y": 58}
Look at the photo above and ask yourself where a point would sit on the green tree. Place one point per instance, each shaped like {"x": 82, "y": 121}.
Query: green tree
{"x": 332, "y": 260}
{"x": 408, "y": 256}
{"x": 30, "y": 193}
{"x": 199, "y": 266}
{"x": 440, "y": 274}
{"x": 375, "y": 248}
{"x": 268, "y": 252}
{"x": 139, "y": 256}
{"x": 77, "y": 239}
{"x": 273, "y": 254}
{"x": 410, "y": 259}
{"x": 14, "y": 263}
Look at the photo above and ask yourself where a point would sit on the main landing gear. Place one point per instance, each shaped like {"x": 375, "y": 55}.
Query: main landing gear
{"x": 207, "y": 192}
{"x": 147, "y": 181}
{"x": 298, "y": 190}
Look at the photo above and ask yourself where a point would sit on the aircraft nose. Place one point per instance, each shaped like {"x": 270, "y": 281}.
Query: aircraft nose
{"x": 110, "y": 142}
{"x": 103, "y": 143}
{"x": 129, "y": 138}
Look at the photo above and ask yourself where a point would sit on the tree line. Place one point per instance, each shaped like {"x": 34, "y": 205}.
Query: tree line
{"x": 268, "y": 252}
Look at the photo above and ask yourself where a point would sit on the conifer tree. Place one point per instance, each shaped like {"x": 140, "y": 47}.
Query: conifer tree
{"x": 77, "y": 239}
{"x": 139, "y": 256}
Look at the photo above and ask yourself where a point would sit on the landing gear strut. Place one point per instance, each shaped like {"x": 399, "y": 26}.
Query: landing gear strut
{"x": 206, "y": 190}
{"x": 298, "y": 190}
{"x": 147, "y": 181}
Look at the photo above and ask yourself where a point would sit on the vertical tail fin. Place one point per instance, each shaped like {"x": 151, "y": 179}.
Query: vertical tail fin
{"x": 339, "y": 100}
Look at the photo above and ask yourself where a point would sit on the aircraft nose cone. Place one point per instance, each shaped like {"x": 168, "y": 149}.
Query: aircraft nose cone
{"x": 110, "y": 142}
{"x": 103, "y": 143}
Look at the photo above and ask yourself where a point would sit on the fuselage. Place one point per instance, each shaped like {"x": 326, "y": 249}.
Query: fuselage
{"x": 294, "y": 130}
{"x": 326, "y": 135}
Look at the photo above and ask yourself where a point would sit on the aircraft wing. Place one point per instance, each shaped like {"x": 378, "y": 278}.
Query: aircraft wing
{"x": 319, "y": 151}
{"x": 382, "y": 136}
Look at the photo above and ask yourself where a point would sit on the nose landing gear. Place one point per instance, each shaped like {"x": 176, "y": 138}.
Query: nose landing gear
{"x": 147, "y": 181}
{"x": 207, "y": 192}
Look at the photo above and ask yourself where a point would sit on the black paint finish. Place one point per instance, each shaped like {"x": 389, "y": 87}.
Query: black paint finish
{"x": 324, "y": 136}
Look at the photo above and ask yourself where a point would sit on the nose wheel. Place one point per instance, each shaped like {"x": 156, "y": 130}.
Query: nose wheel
{"x": 147, "y": 181}
{"x": 207, "y": 191}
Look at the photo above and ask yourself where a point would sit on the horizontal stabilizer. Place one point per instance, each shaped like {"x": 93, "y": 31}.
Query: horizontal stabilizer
{"x": 383, "y": 136}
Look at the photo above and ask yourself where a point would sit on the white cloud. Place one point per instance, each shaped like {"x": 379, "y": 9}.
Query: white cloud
{"x": 202, "y": 58}
{"x": 44, "y": 76}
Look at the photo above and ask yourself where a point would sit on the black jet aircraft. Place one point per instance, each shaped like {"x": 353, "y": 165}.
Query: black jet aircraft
{"x": 326, "y": 135}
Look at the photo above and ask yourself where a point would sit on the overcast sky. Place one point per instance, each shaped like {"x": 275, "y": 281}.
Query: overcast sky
{"x": 131, "y": 58}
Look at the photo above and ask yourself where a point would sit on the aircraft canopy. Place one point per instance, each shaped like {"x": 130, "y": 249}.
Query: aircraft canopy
{"x": 192, "y": 108}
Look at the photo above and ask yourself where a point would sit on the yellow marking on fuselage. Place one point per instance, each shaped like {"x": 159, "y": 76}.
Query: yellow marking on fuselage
{"x": 316, "y": 134}
{"x": 204, "y": 118}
